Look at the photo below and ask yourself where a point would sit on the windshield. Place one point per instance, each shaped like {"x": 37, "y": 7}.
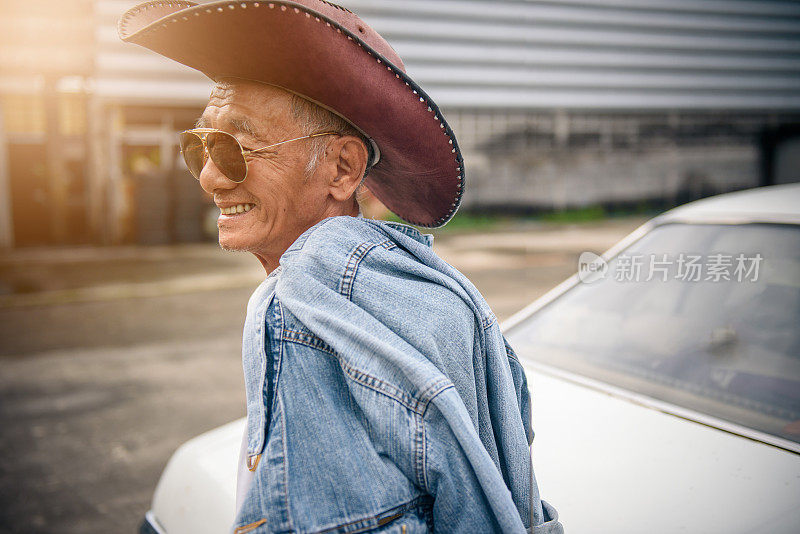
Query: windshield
{"x": 703, "y": 316}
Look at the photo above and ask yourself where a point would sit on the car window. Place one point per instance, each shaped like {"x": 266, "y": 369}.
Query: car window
{"x": 721, "y": 337}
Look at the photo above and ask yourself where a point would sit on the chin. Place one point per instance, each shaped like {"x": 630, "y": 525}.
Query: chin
{"x": 233, "y": 242}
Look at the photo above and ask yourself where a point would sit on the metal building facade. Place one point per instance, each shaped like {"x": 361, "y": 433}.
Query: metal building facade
{"x": 575, "y": 102}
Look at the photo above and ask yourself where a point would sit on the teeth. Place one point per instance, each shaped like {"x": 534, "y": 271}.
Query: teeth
{"x": 239, "y": 208}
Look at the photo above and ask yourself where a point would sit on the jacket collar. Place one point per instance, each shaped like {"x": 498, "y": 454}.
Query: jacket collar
{"x": 413, "y": 233}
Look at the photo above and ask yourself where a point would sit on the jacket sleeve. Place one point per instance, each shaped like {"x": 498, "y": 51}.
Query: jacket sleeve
{"x": 521, "y": 388}
{"x": 468, "y": 490}
{"x": 468, "y": 497}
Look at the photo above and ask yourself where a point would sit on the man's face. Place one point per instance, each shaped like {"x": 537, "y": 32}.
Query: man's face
{"x": 283, "y": 200}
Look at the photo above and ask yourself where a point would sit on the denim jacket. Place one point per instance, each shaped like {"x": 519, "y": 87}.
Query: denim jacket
{"x": 381, "y": 394}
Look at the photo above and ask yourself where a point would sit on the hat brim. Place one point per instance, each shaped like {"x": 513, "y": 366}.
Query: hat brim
{"x": 420, "y": 172}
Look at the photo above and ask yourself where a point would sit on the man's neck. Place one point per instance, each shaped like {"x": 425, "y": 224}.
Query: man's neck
{"x": 270, "y": 263}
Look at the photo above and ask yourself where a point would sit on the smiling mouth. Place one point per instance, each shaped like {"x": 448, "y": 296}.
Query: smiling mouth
{"x": 237, "y": 209}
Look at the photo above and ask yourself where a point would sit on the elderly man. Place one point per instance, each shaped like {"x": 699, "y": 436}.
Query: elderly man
{"x": 381, "y": 395}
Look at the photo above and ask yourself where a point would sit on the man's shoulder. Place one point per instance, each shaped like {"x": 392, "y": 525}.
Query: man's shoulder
{"x": 389, "y": 261}
{"x": 373, "y": 279}
{"x": 331, "y": 235}
{"x": 338, "y": 245}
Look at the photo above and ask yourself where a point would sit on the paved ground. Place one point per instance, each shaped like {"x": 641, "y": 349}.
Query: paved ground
{"x": 109, "y": 359}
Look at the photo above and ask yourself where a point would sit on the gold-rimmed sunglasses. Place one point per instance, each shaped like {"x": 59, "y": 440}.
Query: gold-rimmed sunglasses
{"x": 224, "y": 150}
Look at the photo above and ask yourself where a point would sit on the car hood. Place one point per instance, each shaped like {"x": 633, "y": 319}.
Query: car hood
{"x": 610, "y": 465}
{"x": 197, "y": 490}
{"x": 607, "y": 465}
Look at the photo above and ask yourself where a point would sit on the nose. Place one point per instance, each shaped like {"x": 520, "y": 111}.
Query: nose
{"x": 212, "y": 180}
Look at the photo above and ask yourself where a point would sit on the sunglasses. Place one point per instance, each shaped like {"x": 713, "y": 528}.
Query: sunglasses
{"x": 225, "y": 151}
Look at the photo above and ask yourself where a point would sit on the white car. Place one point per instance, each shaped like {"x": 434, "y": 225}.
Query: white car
{"x": 665, "y": 381}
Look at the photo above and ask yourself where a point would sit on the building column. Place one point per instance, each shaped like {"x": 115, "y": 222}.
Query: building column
{"x": 56, "y": 170}
{"x": 166, "y": 143}
{"x": 115, "y": 193}
{"x": 98, "y": 169}
{"x": 6, "y": 218}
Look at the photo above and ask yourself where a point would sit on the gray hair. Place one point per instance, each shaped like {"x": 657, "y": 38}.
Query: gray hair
{"x": 313, "y": 118}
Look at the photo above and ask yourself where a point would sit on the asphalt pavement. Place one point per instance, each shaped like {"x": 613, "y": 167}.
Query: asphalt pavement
{"x": 112, "y": 357}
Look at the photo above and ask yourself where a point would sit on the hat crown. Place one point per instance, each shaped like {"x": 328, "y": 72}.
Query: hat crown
{"x": 146, "y": 13}
{"x": 351, "y": 22}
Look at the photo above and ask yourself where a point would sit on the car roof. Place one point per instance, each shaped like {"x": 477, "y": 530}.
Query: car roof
{"x": 776, "y": 203}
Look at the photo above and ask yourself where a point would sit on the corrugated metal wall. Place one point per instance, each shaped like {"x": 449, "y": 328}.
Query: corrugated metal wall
{"x": 601, "y": 54}
{"x": 571, "y": 54}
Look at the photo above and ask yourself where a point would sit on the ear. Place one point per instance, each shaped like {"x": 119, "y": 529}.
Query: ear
{"x": 349, "y": 155}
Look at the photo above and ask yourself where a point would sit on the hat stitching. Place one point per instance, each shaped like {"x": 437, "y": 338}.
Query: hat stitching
{"x": 442, "y": 125}
{"x": 122, "y": 26}
{"x": 337, "y": 6}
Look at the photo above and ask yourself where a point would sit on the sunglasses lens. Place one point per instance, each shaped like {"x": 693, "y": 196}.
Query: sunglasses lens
{"x": 226, "y": 152}
{"x": 193, "y": 154}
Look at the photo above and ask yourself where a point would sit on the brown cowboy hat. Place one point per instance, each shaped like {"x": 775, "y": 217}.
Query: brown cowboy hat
{"x": 325, "y": 53}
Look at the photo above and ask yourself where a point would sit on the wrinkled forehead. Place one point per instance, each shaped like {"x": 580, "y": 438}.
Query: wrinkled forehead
{"x": 252, "y": 108}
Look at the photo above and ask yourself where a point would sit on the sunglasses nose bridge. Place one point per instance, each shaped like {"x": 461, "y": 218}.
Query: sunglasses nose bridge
{"x": 202, "y": 137}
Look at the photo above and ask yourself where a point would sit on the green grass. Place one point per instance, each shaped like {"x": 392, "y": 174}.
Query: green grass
{"x": 466, "y": 221}
{"x": 575, "y": 215}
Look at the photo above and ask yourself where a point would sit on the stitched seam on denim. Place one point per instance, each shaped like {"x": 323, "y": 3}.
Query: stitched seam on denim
{"x": 510, "y": 353}
{"x": 349, "y": 275}
{"x": 378, "y": 385}
{"x": 311, "y": 345}
{"x": 285, "y": 469}
{"x": 358, "y": 254}
{"x": 421, "y": 419}
{"x": 431, "y": 391}
{"x": 308, "y": 339}
{"x": 419, "y": 452}
{"x": 279, "y": 405}
{"x": 400, "y": 227}
{"x": 277, "y": 366}
{"x": 365, "y": 379}
{"x": 280, "y": 318}
{"x": 261, "y": 332}
{"x": 512, "y": 356}
{"x": 434, "y": 395}
{"x": 400, "y": 508}
{"x": 424, "y": 455}
{"x": 268, "y": 359}
{"x": 486, "y": 322}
